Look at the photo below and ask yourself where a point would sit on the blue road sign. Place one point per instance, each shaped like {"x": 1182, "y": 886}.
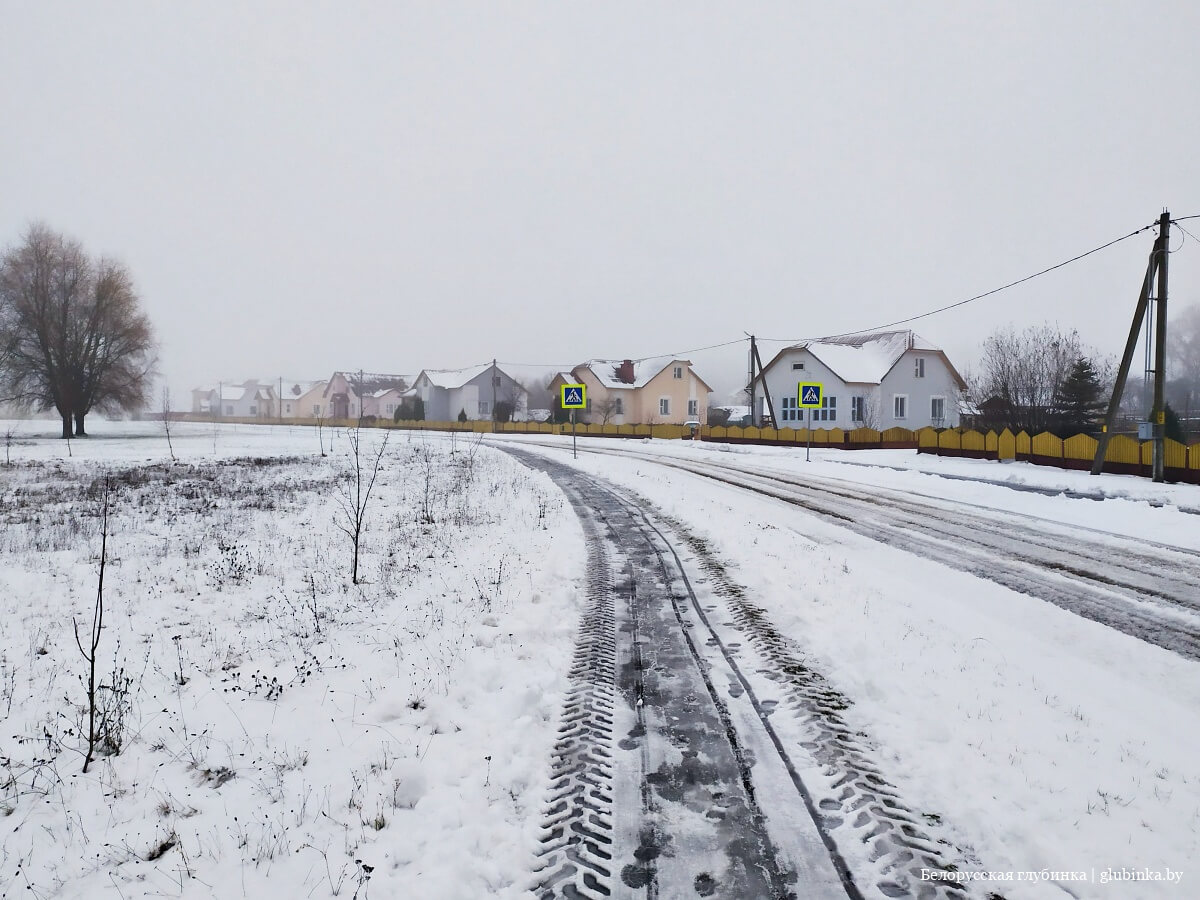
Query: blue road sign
{"x": 809, "y": 394}
{"x": 574, "y": 396}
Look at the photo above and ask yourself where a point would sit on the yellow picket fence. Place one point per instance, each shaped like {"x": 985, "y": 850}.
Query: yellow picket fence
{"x": 1124, "y": 452}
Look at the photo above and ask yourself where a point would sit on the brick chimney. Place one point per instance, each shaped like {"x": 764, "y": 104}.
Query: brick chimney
{"x": 625, "y": 372}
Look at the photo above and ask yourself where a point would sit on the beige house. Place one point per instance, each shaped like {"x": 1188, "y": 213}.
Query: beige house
{"x": 660, "y": 390}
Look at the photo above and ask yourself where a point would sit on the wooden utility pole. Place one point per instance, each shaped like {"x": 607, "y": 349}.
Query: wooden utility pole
{"x": 753, "y": 413}
{"x": 1159, "y": 414}
{"x": 1157, "y": 263}
{"x": 766, "y": 390}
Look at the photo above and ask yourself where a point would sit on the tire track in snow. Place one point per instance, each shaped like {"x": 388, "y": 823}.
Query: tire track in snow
{"x": 695, "y": 751}
{"x": 1148, "y": 590}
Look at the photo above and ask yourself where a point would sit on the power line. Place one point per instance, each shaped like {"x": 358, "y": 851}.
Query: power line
{"x": 959, "y": 303}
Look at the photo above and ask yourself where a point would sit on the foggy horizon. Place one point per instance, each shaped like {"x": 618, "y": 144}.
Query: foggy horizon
{"x": 396, "y": 188}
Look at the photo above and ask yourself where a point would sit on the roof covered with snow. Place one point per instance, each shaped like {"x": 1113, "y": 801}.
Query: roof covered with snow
{"x": 453, "y": 378}
{"x": 866, "y": 358}
{"x": 608, "y": 371}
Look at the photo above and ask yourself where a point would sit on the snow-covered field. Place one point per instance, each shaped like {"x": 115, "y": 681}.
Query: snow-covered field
{"x": 1044, "y": 740}
{"x": 281, "y": 731}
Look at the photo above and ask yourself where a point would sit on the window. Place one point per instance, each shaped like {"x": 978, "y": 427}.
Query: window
{"x": 391, "y": 408}
{"x": 229, "y": 410}
{"x": 789, "y": 412}
{"x": 485, "y": 407}
{"x": 693, "y": 408}
{"x": 287, "y": 407}
{"x": 828, "y": 410}
{"x": 858, "y": 409}
{"x": 678, "y": 372}
{"x": 796, "y": 366}
{"x": 618, "y": 406}
{"x": 664, "y": 406}
{"x": 900, "y": 406}
{"x": 937, "y": 410}
{"x": 919, "y": 367}
{"x": 317, "y": 410}
{"x": 254, "y": 410}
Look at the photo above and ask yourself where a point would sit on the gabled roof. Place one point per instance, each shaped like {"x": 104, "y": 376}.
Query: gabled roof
{"x": 456, "y": 378}
{"x": 370, "y": 382}
{"x": 607, "y": 371}
{"x": 867, "y": 358}
{"x": 453, "y": 378}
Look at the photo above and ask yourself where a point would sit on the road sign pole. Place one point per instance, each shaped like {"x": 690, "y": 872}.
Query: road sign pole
{"x": 808, "y": 434}
{"x": 574, "y": 451}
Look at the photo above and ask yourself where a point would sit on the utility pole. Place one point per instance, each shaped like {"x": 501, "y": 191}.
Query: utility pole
{"x": 766, "y": 390}
{"x": 753, "y": 352}
{"x": 1157, "y": 263}
{"x": 1159, "y": 414}
{"x": 495, "y": 384}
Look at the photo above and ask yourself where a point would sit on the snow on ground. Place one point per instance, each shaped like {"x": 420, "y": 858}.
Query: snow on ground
{"x": 282, "y": 732}
{"x": 1044, "y": 740}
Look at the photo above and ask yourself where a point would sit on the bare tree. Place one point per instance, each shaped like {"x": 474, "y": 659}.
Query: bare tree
{"x": 354, "y": 490}
{"x": 95, "y": 728}
{"x": 73, "y": 335}
{"x": 1020, "y": 373}
{"x": 166, "y": 418}
{"x": 606, "y": 409}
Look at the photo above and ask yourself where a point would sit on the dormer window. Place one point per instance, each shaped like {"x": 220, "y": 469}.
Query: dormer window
{"x": 678, "y": 372}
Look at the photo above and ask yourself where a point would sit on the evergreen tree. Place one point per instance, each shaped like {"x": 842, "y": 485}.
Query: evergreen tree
{"x": 1079, "y": 401}
{"x": 462, "y": 415}
{"x": 1172, "y": 427}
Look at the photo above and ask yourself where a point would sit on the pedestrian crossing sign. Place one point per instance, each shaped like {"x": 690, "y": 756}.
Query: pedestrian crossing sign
{"x": 574, "y": 396}
{"x": 809, "y": 394}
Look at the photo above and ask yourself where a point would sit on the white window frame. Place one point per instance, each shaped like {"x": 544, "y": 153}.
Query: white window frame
{"x": 789, "y": 411}
{"x": 858, "y": 408}
{"x": 664, "y": 406}
{"x": 933, "y": 418}
{"x": 900, "y": 407}
{"x": 678, "y": 373}
{"x": 693, "y": 409}
{"x": 485, "y": 407}
{"x": 919, "y": 367}
{"x": 317, "y": 410}
{"x": 618, "y": 406}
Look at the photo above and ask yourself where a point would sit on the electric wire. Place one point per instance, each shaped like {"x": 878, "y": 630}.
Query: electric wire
{"x": 955, "y": 305}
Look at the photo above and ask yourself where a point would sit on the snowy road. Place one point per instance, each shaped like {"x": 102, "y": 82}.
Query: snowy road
{"x": 675, "y": 776}
{"x": 1145, "y": 589}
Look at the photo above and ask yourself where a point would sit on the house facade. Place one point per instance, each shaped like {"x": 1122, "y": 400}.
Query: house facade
{"x": 473, "y": 391}
{"x": 251, "y": 399}
{"x": 660, "y": 390}
{"x": 879, "y": 380}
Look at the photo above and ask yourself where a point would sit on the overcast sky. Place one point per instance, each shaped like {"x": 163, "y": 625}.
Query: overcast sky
{"x": 391, "y": 186}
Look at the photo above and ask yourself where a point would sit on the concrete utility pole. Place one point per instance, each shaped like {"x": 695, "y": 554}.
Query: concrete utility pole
{"x": 495, "y": 385}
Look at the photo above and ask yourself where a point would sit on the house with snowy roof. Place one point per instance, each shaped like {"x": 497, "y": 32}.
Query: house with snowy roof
{"x": 878, "y": 380}
{"x": 474, "y": 391}
{"x": 660, "y": 390}
{"x": 350, "y": 394}
{"x": 252, "y": 399}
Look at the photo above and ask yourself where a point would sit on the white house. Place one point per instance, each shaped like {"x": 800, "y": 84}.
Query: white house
{"x": 474, "y": 391}
{"x": 880, "y": 380}
{"x": 251, "y": 399}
